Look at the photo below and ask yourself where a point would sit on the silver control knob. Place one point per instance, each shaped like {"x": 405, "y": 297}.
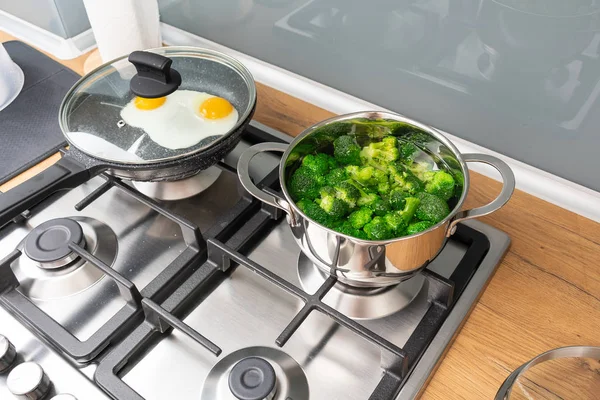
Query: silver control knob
{"x": 64, "y": 396}
{"x": 8, "y": 354}
{"x": 28, "y": 381}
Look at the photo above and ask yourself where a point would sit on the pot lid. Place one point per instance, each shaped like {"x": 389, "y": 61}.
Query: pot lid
{"x": 157, "y": 105}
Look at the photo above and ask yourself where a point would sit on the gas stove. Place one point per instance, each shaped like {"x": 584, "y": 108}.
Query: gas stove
{"x": 108, "y": 293}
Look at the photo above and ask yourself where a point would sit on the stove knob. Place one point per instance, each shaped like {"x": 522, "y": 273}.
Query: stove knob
{"x": 64, "y": 396}
{"x": 28, "y": 381}
{"x": 7, "y": 354}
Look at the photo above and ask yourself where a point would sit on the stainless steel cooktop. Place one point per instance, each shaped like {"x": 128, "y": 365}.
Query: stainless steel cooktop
{"x": 210, "y": 298}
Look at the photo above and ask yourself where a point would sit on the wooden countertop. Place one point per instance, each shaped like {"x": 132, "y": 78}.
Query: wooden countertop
{"x": 545, "y": 294}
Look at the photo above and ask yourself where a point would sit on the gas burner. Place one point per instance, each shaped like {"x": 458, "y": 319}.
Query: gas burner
{"x": 50, "y": 270}
{"x": 256, "y": 373}
{"x": 359, "y": 303}
{"x": 181, "y": 189}
{"x": 48, "y": 243}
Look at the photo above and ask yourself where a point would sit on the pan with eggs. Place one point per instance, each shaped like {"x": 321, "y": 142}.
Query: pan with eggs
{"x": 182, "y": 119}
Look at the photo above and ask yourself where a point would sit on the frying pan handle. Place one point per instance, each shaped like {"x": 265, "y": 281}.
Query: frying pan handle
{"x": 508, "y": 180}
{"x": 66, "y": 173}
{"x": 243, "y": 168}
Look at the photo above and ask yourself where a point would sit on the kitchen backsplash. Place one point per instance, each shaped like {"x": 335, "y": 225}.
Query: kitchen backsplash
{"x": 65, "y": 18}
{"x": 521, "y": 78}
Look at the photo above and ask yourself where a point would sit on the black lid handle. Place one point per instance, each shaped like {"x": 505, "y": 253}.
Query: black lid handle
{"x": 155, "y": 77}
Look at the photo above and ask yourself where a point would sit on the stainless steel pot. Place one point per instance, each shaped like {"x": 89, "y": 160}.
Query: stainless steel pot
{"x": 366, "y": 263}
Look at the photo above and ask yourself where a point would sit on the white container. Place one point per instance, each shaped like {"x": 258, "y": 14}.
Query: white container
{"x": 11, "y": 79}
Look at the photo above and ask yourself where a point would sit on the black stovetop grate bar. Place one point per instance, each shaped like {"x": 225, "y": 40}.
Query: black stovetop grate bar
{"x": 129, "y": 315}
{"x": 159, "y": 319}
{"x": 221, "y": 255}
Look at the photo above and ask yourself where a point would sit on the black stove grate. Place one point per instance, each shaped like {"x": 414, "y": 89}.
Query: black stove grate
{"x": 131, "y": 313}
{"x": 396, "y": 362}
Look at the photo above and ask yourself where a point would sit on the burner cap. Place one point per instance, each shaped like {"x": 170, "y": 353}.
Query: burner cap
{"x": 253, "y": 378}
{"x": 49, "y": 242}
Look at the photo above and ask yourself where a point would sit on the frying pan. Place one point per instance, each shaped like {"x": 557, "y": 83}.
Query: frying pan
{"x": 100, "y": 141}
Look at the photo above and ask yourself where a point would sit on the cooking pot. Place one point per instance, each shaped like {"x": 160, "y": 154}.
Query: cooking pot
{"x": 101, "y": 141}
{"x": 368, "y": 263}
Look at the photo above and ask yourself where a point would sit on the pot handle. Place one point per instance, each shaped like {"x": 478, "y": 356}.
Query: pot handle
{"x": 243, "y": 168}
{"x": 508, "y": 180}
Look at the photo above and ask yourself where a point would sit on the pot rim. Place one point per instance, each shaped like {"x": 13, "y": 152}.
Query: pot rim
{"x": 377, "y": 115}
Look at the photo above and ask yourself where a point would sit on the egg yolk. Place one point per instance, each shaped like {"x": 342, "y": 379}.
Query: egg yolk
{"x": 143, "y": 103}
{"x": 215, "y": 108}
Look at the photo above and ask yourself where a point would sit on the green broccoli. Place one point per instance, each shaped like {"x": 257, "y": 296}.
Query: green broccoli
{"x": 320, "y": 163}
{"x": 360, "y": 217}
{"x": 397, "y": 198}
{"x": 395, "y": 222}
{"x": 333, "y": 206}
{"x": 347, "y": 229}
{"x": 432, "y": 208}
{"x": 417, "y": 227}
{"x": 366, "y": 198}
{"x": 378, "y": 229}
{"x": 305, "y": 183}
{"x": 402, "y": 179}
{"x": 380, "y": 153}
{"x": 336, "y": 176}
{"x": 346, "y": 151}
{"x": 366, "y": 176}
{"x": 348, "y": 193}
{"x": 398, "y": 220}
{"x": 380, "y": 206}
{"x": 408, "y": 150}
{"x": 439, "y": 183}
{"x": 419, "y": 169}
{"x": 313, "y": 211}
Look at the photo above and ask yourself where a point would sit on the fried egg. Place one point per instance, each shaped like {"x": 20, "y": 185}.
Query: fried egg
{"x": 182, "y": 119}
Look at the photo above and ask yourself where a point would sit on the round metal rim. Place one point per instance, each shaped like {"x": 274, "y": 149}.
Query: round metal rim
{"x": 193, "y": 51}
{"x": 376, "y": 115}
{"x": 561, "y": 352}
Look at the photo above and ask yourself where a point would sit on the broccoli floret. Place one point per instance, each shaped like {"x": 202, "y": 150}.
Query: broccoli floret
{"x": 398, "y": 220}
{"x": 404, "y": 180}
{"x": 348, "y": 193}
{"x": 432, "y": 208}
{"x": 336, "y": 208}
{"x": 378, "y": 229}
{"x": 320, "y": 163}
{"x": 379, "y": 206}
{"x": 439, "y": 183}
{"x": 360, "y": 217}
{"x": 305, "y": 183}
{"x": 313, "y": 211}
{"x": 347, "y": 229}
{"x": 397, "y": 199}
{"x": 381, "y": 153}
{"x": 417, "y": 227}
{"x": 421, "y": 168}
{"x": 384, "y": 187}
{"x": 336, "y": 176}
{"x": 367, "y": 199}
{"x": 366, "y": 176}
{"x": 395, "y": 222}
{"x": 346, "y": 151}
{"x": 408, "y": 150}
{"x": 410, "y": 208}
{"x": 330, "y": 132}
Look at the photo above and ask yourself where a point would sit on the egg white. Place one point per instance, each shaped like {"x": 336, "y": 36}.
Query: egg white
{"x": 178, "y": 124}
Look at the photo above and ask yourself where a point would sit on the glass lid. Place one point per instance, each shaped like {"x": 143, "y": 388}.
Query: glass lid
{"x": 157, "y": 105}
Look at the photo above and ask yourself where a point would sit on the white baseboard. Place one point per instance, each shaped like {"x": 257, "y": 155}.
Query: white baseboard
{"x": 62, "y": 48}
{"x": 544, "y": 185}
